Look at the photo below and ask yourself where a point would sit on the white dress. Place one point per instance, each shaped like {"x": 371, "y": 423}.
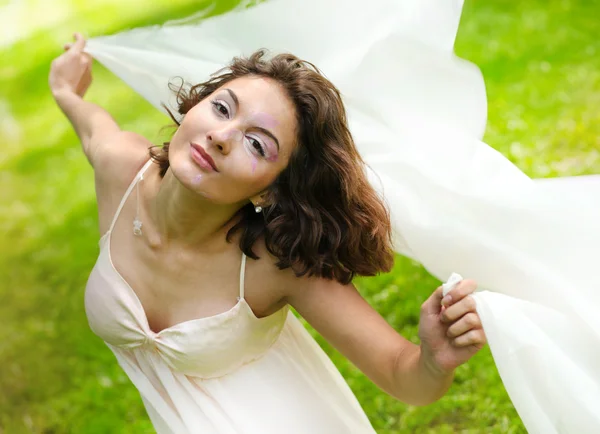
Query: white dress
{"x": 231, "y": 373}
{"x": 417, "y": 114}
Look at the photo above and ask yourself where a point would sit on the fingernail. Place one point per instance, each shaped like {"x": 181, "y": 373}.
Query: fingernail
{"x": 447, "y": 300}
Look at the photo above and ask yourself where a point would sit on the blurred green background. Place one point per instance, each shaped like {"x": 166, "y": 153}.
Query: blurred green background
{"x": 541, "y": 63}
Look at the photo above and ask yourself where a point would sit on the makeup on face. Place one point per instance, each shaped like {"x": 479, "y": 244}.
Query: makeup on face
{"x": 236, "y": 135}
{"x": 254, "y": 162}
{"x": 260, "y": 121}
{"x": 265, "y": 122}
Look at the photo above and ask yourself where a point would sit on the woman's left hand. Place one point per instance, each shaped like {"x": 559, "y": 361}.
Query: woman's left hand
{"x": 450, "y": 331}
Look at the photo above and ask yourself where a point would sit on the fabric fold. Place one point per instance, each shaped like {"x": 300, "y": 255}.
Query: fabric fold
{"x": 418, "y": 113}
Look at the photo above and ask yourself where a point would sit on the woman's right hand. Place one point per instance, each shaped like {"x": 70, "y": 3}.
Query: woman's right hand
{"x": 71, "y": 72}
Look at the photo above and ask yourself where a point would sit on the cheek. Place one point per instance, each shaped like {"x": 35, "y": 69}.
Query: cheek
{"x": 251, "y": 160}
{"x": 180, "y": 140}
{"x": 197, "y": 120}
{"x": 253, "y": 173}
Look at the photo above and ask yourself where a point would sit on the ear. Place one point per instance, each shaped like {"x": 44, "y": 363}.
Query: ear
{"x": 260, "y": 199}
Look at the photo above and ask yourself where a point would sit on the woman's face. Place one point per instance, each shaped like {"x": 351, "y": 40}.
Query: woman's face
{"x": 248, "y": 128}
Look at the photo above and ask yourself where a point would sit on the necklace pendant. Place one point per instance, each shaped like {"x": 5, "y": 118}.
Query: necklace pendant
{"x": 137, "y": 227}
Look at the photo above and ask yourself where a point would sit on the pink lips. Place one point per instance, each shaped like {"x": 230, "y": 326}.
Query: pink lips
{"x": 200, "y": 156}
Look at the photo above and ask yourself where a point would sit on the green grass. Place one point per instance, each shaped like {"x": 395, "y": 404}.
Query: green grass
{"x": 541, "y": 63}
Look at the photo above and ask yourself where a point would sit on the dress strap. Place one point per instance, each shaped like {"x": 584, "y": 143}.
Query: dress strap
{"x": 138, "y": 176}
{"x": 242, "y": 274}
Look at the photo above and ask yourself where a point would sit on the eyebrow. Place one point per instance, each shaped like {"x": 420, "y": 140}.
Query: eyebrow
{"x": 261, "y": 129}
{"x": 234, "y": 98}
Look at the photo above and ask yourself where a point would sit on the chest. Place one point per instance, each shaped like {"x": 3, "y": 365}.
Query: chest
{"x": 174, "y": 286}
{"x": 203, "y": 346}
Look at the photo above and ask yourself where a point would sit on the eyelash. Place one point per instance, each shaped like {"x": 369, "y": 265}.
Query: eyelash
{"x": 218, "y": 106}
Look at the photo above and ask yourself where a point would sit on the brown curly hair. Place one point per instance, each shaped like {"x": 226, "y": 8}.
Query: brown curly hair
{"x": 324, "y": 218}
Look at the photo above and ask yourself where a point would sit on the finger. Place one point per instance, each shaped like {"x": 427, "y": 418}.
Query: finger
{"x": 457, "y": 310}
{"x": 432, "y": 304}
{"x": 67, "y": 46}
{"x": 79, "y": 44}
{"x": 460, "y": 291}
{"x": 86, "y": 60}
{"x": 468, "y": 322}
{"x": 473, "y": 337}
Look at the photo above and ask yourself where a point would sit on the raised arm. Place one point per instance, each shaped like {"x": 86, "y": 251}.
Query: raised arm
{"x": 70, "y": 76}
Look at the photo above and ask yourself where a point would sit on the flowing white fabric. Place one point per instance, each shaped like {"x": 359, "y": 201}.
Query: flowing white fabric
{"x": 417, "y": 113}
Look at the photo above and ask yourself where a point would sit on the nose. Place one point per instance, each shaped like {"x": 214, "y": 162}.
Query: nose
{"x": 223, "y": 139}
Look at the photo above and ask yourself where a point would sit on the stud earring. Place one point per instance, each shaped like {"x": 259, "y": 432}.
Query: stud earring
{"x": 257, "y": 208}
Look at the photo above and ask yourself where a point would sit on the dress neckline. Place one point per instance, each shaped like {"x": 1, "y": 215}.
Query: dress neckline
{"x": 241, "y": 300}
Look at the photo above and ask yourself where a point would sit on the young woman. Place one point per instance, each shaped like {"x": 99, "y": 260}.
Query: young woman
{"x": 259, "y": 202}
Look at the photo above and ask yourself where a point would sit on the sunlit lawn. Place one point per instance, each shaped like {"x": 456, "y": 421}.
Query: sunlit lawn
{"x": 541, "y": 62}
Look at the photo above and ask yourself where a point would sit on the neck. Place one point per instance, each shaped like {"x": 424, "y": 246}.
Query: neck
{"x": 185, "y": 218}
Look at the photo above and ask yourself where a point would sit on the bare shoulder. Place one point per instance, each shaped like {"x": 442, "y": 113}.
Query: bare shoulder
{"x": 118, "y": 160}
{"x": 265, "y": 278}
{"x": 286, "y": 285}
{"x": 116, "y": 163}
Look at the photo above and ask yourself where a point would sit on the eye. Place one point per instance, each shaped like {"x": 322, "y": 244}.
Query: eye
{"x": 221, "y": 108}
{"x": 257, "y": 145}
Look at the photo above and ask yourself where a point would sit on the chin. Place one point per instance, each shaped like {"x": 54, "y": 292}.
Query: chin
{"x": 184, "y": 170}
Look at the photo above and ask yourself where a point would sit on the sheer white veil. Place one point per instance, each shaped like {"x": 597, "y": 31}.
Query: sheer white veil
{"x": 417, "y": 113}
